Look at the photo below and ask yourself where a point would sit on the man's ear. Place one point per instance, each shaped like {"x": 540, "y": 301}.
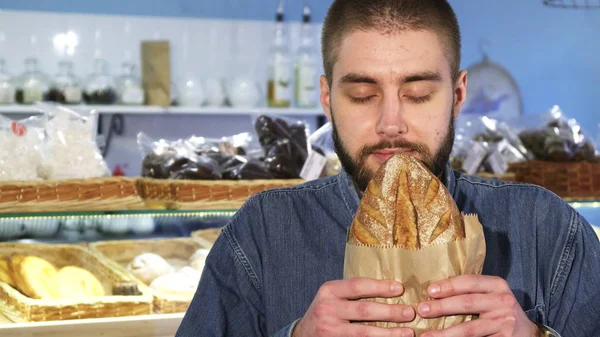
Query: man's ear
{"x": 460, "y": 93}
{"x": 325, "y": 96}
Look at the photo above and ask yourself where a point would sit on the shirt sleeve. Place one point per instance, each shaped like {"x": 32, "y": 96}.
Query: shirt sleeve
{"x": 227, "y": 301}
{"x": 286, "y": 331}
{"x": 574, "y": 307}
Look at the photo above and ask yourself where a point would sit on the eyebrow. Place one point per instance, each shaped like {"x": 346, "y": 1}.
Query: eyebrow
{"x": 423, "y": 76}
{"x": 351, "y": 78}
{"x": 354, "y": 78}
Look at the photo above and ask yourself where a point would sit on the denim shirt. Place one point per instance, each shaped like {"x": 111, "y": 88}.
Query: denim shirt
{"x": 266, "y": 267}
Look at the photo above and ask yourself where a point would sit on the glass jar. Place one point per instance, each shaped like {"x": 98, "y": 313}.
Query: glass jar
{"x": 129, "y": 87}
{"x": 7, "y": 88}
{"x": 65, "y": 88}
{"x": 99, "y": 87}
{"x": 192, "y": 92}
{"x": 32, "y": 86}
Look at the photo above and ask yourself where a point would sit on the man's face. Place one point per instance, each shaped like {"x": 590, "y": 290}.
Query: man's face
{"x": 392, "y": 93}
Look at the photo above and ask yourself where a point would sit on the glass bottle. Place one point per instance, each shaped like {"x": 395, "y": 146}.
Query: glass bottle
{"x": 279, "y": 80}
{"x": 100, "y": 87}
{"x": 129, "y": 87}
{"x": 306, "y": 81}
{"x": 32, "y": 86}
{"x": 65, "y": 88}
{"x": 7, "y": 89}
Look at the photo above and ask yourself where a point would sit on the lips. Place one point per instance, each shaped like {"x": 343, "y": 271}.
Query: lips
{"x": 385, "y": 154}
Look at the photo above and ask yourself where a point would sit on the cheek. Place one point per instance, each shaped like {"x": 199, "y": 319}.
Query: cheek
{"x": 356, "y": 127}
{"x": 430, "y": 125}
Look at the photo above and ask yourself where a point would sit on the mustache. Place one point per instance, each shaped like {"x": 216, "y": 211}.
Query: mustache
{"x": 416, "y": 147}
{"x": 396, "y": 144}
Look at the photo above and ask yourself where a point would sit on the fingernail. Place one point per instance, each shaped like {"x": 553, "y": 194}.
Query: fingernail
{"x": 396, "y": 287}
{"x": 434, "y": 290}
{"x": 408, "y": 312}
{"x": 408, "y": 333}
{"x": 424, "y": 308}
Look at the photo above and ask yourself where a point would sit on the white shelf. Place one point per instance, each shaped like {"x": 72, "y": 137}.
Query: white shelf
{"x": 158, "y": 325}
{"x": 179, "y": 110}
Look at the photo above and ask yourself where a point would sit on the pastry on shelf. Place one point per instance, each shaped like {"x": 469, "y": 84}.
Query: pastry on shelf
{"x": 76, "y": 282}
{"x": 183, "y": 283}
{"x": 198, "y": 259}
{"x": 34, "y": 277}
{"x": 5, "y": 273}
{"x": 149, "y": 266}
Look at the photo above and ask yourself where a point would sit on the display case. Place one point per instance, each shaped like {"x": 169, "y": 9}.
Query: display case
{"x": 102, "y": 233}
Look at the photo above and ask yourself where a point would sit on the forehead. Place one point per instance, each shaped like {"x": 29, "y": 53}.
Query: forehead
{"x": 391, "y": 55}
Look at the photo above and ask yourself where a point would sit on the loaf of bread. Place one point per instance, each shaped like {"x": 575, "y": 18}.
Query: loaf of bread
{"x": 405, "y": 205}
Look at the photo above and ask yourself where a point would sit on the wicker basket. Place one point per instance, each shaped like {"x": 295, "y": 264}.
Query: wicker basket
{"x": 98, "y": 194}
{"x": 20, "y": 308}
{"x": 204, "y": 194}
{"x": 119, "y": 253}
{"x": 571, "y": 181}
{"x": 207, "y": 237}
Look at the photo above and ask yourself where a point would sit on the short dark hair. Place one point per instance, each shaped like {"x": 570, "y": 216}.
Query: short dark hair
{"x": 345, "y": 16}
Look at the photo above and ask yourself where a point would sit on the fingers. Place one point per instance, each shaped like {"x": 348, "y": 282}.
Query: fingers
{"x": 363, "y": 330}
{"x": 377, "y": 312}
{"x": 476, "y": 328}
{"x": 357, "y": 288}
{"x": 467, "y": 284}
{"x": 465, "y": 305}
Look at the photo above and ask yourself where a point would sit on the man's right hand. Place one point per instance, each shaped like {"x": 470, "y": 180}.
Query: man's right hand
{"x": 334, "y": 308}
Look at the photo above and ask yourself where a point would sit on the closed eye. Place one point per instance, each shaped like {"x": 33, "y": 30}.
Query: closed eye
{"x": 420, "y": 99}
{"x": 360, "y": 100}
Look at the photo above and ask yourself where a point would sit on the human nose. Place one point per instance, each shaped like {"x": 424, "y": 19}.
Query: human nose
{"x": 392, "y": 121}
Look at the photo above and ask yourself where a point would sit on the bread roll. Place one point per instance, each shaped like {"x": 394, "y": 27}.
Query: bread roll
{"x": 34, "y": 277}
{"x": 405, "y": 205}
{"x": 149, "y": 266}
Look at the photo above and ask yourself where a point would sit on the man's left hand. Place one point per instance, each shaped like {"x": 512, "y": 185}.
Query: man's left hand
{"x": 490, "y": 297}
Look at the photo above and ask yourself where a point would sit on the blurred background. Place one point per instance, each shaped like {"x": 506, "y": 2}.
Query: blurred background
{"x": 551, "y": 52}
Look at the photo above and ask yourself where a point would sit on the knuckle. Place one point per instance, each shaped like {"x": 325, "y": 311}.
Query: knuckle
{"x": 353, "y": 285}
{"x": 363, "y": 309}
{"x": 323, "y": 330}
{"x": 326, "y": 288}
{"x": 468, "y": 303}
{"x": 508, "y": 300}
{"x": 470, "y": 330}
{"x": 322, "y": 310}
{"x": 392, "y": 312}
{"x": 448, "y": 288}
{"x": 510, "y": 321}
{"x": 502, "y": 282}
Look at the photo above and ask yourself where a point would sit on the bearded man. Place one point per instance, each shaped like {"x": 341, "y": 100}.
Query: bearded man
{"x": 392, "y": 84}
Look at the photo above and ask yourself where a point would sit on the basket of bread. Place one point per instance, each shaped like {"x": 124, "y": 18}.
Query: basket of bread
{"x": 43, "y": 282}
{"x": 169, "y": 269}
{"x": 409, "y": 229}
{"x": 208, "y": 236}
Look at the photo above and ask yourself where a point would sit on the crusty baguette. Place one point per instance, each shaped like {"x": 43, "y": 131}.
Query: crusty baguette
{"x": 405, "y": 205}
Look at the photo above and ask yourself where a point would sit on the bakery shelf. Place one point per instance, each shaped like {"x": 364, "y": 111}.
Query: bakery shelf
{"x": 74, "y": 227}
{"x": 157, "y": 110}
{"x": 157, "y": 325}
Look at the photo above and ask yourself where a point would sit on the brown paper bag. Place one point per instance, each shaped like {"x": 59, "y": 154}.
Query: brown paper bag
{"x": 156, "y": 72}
{"x": 416, "y": 270}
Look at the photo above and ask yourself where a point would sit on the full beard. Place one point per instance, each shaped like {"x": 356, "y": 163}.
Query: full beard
{"x": 361, "y": 174}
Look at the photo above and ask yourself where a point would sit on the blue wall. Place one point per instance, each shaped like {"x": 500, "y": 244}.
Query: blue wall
{"x": 554, "y": 54}
{"x": 224, "y": 9}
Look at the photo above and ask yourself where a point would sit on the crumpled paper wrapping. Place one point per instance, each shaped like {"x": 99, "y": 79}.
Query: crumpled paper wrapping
{"x": 416, "y": 270}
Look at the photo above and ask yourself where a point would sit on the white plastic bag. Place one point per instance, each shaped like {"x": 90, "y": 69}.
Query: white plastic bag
{"x": 20, "y": 147}
{"x": 70, "y": 150}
